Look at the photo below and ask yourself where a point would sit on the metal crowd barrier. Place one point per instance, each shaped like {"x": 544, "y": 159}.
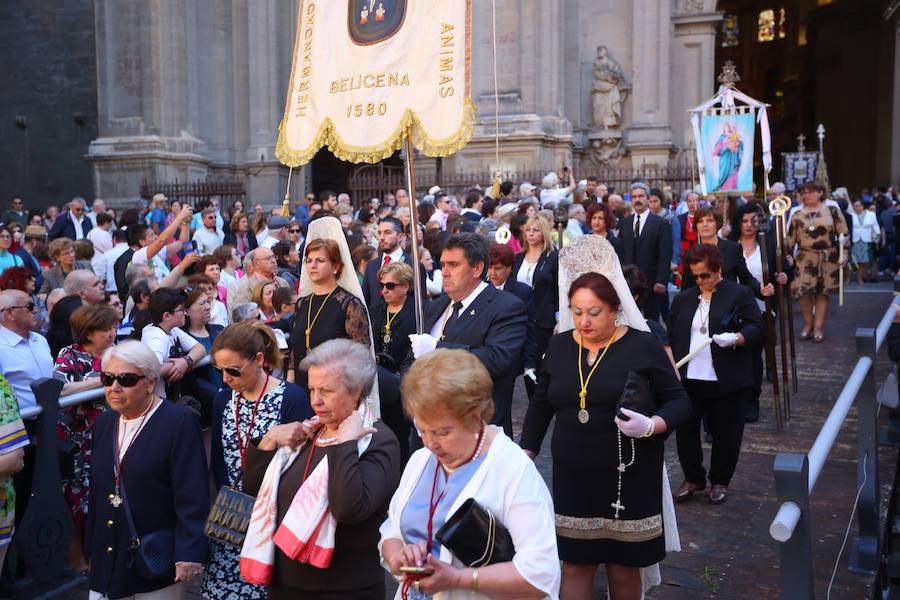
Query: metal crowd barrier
{"x": 42, "y": 537}
{"x": 796, "y": 475}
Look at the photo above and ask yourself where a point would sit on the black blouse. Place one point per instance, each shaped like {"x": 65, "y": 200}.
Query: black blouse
{"x": 343, "y": 316}
{"x": 402, "y": 325}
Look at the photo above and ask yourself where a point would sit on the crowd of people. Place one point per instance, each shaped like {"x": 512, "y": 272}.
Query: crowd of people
{"x": 369, "y": 445}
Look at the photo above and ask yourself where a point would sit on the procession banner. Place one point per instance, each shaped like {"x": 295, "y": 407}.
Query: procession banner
{"x": 727, "y": 145}
{"x": 724, "y": 134}
{"x": 368, "y": 72}
{"x": 798, "y": 168}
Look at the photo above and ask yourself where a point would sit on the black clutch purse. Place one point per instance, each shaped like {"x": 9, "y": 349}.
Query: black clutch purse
{"x": 475, "y": 536}
{"x": 636, "y": 396}
{"x": 229, "y": 517}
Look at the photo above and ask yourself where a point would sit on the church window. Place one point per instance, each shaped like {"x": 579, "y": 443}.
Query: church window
{"x": 782, "y": 24}
{"x": 766, "y": 22}
{"x": 730, "y": 31}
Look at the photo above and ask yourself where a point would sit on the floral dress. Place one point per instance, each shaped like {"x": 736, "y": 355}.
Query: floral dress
{"x": 221, "y": 579}
{"x": 12, "y": 437}
{"x": 75, "y": 423}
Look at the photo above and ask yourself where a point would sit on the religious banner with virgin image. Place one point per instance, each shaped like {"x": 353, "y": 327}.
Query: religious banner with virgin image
{"x": 368, "y": 72}
{"x": 724, "y": 134}
{"x": 726, "y": 141}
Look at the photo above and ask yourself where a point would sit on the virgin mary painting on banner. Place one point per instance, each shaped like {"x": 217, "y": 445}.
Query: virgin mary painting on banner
{"x": 727, "y": 145}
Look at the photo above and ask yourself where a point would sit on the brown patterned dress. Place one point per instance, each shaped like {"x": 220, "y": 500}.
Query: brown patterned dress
{"x": 815, "y": 235}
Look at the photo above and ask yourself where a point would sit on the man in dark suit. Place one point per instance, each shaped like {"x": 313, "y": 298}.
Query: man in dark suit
{"x": 647, "y": 243}
{"x": 72, "y": 224}
{"x": 475, "y": 316}
{"x": 390, "y": 245}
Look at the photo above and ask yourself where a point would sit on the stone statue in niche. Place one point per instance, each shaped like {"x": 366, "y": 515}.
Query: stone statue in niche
{"x": 607, "y": 151}
{"x": 609, "y": 90}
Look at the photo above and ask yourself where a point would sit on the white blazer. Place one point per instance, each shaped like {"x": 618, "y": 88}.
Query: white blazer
{"x": 508, "y": 484}
{"x": 865, "y": 227}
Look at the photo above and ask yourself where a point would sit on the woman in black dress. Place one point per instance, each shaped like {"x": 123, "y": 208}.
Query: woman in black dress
{"x": 708, "y": 222}
{"x": 330, "y": 311}
{"x": 393, "y": 320}
{"x": 609, "y": 508}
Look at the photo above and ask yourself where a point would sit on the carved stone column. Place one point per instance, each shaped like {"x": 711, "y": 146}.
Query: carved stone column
{"x": 144, "y": 107}
{"x": 694, "y": 51}
{"x": 649, "y": 138}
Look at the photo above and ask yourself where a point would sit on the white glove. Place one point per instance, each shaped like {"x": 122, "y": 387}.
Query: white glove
{"x": 725, "y": 340}
{"x": 530, "y": 374}
{"x": 636, "y": 426}
{"x": 422, "y": 344}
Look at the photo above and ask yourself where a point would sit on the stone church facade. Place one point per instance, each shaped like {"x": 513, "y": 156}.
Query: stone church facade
{"x": 195, "y": 90}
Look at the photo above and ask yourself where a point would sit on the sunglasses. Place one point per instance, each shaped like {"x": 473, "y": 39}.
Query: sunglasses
{"x": 389, "y": 285}
{"x": 126, "y": 380}
{"x": 232, "y": 371}
{"x": 704, "y": 275}
{"x": 29, "y": 307}
{"x": 293, "y": 231}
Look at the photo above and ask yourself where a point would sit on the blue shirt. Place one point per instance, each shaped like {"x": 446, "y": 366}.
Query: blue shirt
{"x": 157, "y": 217}
{"x": 414, "y": 520}
{"x": 8, "y": 259}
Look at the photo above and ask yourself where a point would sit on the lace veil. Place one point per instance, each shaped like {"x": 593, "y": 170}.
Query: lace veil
{"x": 329, "y": 228}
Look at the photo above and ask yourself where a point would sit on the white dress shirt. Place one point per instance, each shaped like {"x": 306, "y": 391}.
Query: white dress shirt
{"x": 23, "y": 360}
{"x": 161, "y": 343}
{"x": 438, "y": 328}
{"x": 208, "y": 240}
{"x": 101, "y": 238}
{"x": 79, "y": 232}
{"x": 111, "y": 256}
{"x": 525, "y": 274}
{"x": 754, "y": 265}
{"x": 701, "y": 366}
{"x": 642, "y": 223}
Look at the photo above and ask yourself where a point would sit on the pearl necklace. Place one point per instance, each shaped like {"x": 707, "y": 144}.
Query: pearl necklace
{"x": 326, "y": 441}
{"x": 481, "y": 436}
{"x": 617, "y": 505}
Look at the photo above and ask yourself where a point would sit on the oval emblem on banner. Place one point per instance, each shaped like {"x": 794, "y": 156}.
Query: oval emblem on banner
{"x": 373, "y": 21}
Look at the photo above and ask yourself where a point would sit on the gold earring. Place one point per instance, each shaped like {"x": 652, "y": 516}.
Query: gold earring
{"x": 618, "y": 323}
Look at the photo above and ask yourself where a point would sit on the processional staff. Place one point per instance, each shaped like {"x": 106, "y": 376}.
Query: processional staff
{"x": 762, "y": 227}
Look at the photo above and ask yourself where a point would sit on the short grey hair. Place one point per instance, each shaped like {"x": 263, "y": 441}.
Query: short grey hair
{"x": 77, "y": 280}
{"x": 354, "y": 362}
{"x": 248, "y": 260}
{"x": 78, "y": 200}
{"x": 245, "y": 312}
{"x": 640, "y": 185}
{"x": 777, "y": 188}
{"x": 135, "y": 354}
{"x": 137, "y": 271}
{"x": 550, "y": 180}
{"x": 575, "y": 209}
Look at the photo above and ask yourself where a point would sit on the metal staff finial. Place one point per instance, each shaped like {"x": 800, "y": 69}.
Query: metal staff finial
{"x": 729, "y": 75}
{"x": 822, "y": 167}
{"x": 801, "y": 146}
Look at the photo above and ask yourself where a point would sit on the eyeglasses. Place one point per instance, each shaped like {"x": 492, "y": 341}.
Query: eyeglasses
{"x": 29, "y": 307}
{"x": 126, "y": 380}
{"x": 388, "y": 285}
{"x": 293, "y": 231}
{"x": 233, "y": 371}
{"x": 704, "y": 275}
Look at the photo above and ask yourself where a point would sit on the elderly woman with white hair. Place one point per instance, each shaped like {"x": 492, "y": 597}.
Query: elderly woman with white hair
{"x": 322, "y": 487}
{"x": 148, "y": 497}
{"x": 552, "y": 190}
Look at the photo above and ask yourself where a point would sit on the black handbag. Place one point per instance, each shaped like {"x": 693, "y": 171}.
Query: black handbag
{"x": 153, "y": 554}
{"x": 229, "y": 516}
{"x": 475, "y": 536}
{"x": 637, "y": 396}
